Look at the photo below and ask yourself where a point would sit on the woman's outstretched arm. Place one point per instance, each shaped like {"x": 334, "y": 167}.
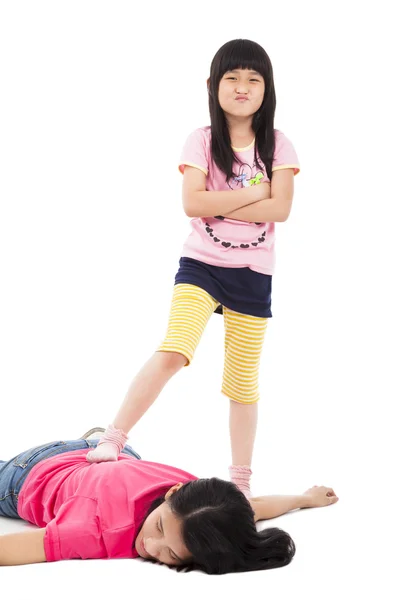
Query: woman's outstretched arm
{"x": 269, "y": 507}
{"x": 22, "y": 548}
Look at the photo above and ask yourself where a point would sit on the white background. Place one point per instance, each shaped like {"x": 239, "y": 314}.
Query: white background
{"x": 97, "y": 99}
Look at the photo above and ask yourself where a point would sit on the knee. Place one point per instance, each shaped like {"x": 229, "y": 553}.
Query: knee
{"x": 173, "y": 361}
{"x": 240, "y": 402}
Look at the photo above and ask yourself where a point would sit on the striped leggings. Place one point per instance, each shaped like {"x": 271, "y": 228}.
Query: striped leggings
{"x": 191, "y": 310}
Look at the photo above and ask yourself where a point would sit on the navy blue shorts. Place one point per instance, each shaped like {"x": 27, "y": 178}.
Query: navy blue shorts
{"x": 240, "y": 289}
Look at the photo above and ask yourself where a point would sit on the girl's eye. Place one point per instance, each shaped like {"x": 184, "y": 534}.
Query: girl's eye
{"x": 250, "y": 79}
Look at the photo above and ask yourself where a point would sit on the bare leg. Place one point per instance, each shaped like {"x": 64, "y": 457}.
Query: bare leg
{"x": 143, "y": 391}
{"x": 243, "y": 426}
{"x": 146, "y": 387}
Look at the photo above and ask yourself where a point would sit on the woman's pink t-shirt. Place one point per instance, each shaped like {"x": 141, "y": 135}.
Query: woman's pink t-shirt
{"x": 93, "y": 510}
{"x": 229, "y": 242}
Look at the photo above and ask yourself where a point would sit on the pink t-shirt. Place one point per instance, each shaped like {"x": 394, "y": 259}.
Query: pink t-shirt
{"x": 93, "y": 510}
{"x": 228, "y": 242}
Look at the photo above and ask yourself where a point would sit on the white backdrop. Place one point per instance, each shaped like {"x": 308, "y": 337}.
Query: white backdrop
{"x": 97, "y": 99}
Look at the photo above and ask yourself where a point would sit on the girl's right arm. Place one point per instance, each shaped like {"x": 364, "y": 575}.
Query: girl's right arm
{"x": 197, "y": 202}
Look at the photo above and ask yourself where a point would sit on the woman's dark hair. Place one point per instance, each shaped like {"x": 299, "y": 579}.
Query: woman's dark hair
{"x": 242, "y": 54}
{"x": 219, "y": 530}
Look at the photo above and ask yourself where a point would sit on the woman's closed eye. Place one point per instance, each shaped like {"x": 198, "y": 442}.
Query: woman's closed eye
{"x": 175, "y": 558}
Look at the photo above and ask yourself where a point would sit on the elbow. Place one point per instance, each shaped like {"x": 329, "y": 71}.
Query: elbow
{"x": 187, "y": 211}
{"x": 188, "y": 206}
{"x": 277, "y": 218}
{"x": 282, "y": 207}
{"x": 283, "y": 214}
{"x": 190, "y": 212}
{"x": 193, "y": 204}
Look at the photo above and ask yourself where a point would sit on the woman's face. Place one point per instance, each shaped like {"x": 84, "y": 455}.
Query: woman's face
{"x": 160, "y": 536}
{"x": 241, "y": 92}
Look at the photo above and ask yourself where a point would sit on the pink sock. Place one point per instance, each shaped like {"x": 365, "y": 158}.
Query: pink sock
{"x": 114, "y": 436}
{"x": 240, "y": 476}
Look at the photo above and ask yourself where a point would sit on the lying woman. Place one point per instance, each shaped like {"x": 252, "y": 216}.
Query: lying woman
{"x": 135, "y": 508}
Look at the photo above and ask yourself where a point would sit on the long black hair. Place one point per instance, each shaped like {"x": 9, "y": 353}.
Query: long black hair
{"x": 242, "y": 54}
{"x": 219, "y": 530}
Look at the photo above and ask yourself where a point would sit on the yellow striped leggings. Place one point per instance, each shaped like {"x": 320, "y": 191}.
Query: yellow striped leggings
{"x": 191, "y": 310}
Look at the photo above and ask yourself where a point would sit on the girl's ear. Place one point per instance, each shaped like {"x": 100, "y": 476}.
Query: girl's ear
{"x": 208, "y": 85}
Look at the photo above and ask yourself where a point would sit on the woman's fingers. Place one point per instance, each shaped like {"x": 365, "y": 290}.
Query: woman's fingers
{"x": 331, "y": 495}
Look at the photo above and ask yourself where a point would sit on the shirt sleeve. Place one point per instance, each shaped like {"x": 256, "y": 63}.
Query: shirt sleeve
{"x": 194, "y": 153}
{"x": 75, "y": 532}
{"x": 285, "y": 156}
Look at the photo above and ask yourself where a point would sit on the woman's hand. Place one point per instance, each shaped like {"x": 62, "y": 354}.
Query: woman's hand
{"x": 319, "y": 495}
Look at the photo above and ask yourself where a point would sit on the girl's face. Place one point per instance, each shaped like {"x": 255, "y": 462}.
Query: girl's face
{"x": 241, "y": 92}
{"x": 160, "y": 537}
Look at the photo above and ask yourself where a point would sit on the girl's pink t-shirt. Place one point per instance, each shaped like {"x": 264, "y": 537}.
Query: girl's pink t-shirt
{"x": 93, "y": 510}
{"x": 228, "y": 242}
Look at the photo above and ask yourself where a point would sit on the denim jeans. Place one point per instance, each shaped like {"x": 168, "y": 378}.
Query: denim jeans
{"x": 14, "y": 472}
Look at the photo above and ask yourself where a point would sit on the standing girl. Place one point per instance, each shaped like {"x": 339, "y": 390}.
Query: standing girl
{"x": 237, "y": 183}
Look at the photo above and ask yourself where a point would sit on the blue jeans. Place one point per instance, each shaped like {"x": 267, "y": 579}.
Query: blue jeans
{"x": 14, "y": 472}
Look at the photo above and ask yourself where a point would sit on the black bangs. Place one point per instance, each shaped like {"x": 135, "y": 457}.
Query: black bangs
{"x": 240, "y": 54}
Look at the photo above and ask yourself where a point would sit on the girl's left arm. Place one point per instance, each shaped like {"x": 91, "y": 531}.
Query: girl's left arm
{"x": 269, "y": 507}
{"x": 22, "y": 548}
{"x": 276, "y": 207}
